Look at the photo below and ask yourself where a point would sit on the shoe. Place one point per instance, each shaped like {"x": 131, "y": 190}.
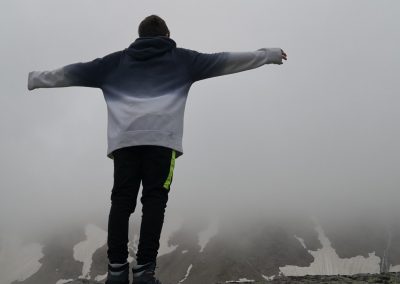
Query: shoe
{"x": 144, "y": 274}
{"x": 118, "y": 275}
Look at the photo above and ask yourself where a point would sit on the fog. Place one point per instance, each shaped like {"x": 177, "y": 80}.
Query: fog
{"x": 319, "y": 134}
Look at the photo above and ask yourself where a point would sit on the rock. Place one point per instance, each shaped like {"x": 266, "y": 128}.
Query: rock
{"x": 388, "y": 277}
{"x": 83, "y": 281}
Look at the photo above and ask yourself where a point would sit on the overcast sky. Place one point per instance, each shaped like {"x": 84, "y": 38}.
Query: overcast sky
{"x": 319, "y": 133}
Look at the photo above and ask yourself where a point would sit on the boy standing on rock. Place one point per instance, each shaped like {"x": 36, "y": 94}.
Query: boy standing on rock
{"x": 145, "y": 87}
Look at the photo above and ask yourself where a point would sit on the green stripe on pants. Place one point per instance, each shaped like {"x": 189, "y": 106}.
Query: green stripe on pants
{"x": 167, "y": 183}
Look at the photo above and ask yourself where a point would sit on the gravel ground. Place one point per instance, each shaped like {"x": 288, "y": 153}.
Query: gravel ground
{"x": 389, "y": 277}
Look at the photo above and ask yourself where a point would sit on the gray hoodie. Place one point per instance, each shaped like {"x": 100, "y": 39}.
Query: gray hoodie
{"x": 145, "y": 86}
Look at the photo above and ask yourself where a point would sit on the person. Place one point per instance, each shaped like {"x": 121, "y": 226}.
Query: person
{"x": 145, "y": 87}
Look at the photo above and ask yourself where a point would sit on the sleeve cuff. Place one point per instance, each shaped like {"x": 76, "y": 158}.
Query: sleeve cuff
{"x": 274, "y": 55}
{"x": 31, "y": 77}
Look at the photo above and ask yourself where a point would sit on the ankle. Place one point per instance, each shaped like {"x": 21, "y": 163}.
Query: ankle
{"x": 144, "y": 263}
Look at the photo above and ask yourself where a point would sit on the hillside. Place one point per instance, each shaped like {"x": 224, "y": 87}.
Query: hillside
{"x": 390, "y": 277}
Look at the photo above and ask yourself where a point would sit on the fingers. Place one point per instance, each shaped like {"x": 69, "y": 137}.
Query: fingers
{"x": 284, "y": 55}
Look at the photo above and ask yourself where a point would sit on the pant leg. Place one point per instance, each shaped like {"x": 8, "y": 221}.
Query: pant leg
{"x": 127, "y": 163}
{"x": 158, "y": 166}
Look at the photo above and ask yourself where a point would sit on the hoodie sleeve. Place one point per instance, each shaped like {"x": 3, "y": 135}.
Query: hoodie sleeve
{"x": 207, "y": 65}
{"x": 84, "y": 74}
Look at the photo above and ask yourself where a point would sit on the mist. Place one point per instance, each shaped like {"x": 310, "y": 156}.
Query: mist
{"x": 317, "y": 135}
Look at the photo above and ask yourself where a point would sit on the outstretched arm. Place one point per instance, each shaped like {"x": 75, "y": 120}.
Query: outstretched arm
{"x": 206, "y": 65}
{"x": 85, "y": 74}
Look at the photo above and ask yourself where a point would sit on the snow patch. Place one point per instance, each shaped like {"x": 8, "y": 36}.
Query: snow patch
{"x": 207, "y": 234}
{"x": 100, "y": 277}
{"x": 84, "y": 250}
{"x": 184, "y": 251}
{"x": 62, "y": 281}
{"x": 301, "y": 241}
{"x": 132, "y": 247}
{"x": 268, "y": 277}
{"x": 395, "y": 268}
{"x": 171, "y": 225}
{"x": 18, "y": 261}
{"x": 187, "y": 273}
{"x": 327, "y": 262}
{"x": 241, "y": 280}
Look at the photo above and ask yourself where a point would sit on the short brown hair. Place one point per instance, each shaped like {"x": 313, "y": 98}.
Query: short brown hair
{"x": 153, "y": 25}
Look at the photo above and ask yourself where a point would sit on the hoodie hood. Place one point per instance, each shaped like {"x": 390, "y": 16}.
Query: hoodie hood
{"x": 144, "y": 48}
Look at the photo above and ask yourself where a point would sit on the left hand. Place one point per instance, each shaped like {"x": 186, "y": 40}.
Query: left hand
{"x": 284, "y": 56}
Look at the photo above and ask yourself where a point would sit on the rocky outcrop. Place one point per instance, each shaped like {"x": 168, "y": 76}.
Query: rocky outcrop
{"x": 388, "y": 277}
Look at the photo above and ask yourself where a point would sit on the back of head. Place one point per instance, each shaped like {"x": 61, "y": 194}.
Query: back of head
{"x": 153, "y": 25}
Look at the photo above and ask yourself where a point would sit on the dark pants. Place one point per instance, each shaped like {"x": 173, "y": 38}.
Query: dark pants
{"x": 153, "y": 166}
